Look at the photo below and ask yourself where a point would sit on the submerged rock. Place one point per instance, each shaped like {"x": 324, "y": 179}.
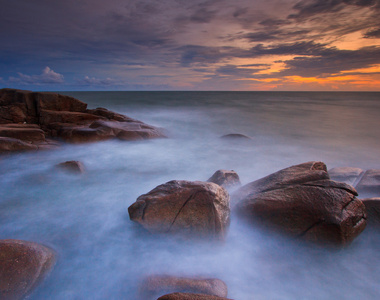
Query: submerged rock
{"x": 23, "y": 265}
{"x": 157, "y": 285}
{"x": 303, "y": 202}
{"x": 188, "y": 296}
{"x": 235, "y": 136}
{"x": 225, "y": 178}
{"x": 72, "y": 166}
{"x": 63, "y": 117}
{"x": 192, "y": 209}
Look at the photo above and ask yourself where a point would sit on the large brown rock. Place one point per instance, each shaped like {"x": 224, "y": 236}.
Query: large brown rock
{"x": 369, "y": 183}
{"x": 301, "y": 202}
{"x": 156, "y": 285}
{"x": 189, "y": 296}
{"x": 17, "y": 106}
{"x": 193, "y": 209}
{"x": 50, "y": 116}
{"x": 23, "y": 265}
{"x": 57, "y": 102}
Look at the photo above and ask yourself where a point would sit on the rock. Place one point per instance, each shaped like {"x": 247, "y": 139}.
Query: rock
{"x": 23, "y": 265}
{"x": 373, "y": 210}
{"x": 188, "y": 296}
{"x": 369, "y": 183}
{"x": 24, "y": 132}
{"x": 346, "y": 174}
{"x": 192, "y": 209}
{"x": 57, "y": 116}
{"x": 72, "y": 166}
{"x": 10, "y": 145}
{"x": 235, "y": 136}
{"x": 301, "y": 202}
{"x": 225, "y": 178}
{"x": 156, "y": 285}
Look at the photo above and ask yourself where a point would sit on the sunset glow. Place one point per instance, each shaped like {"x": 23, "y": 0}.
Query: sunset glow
{"x": 197, "y": 45}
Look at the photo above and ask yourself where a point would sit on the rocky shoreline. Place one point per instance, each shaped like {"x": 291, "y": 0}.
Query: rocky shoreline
{"x": 305, "y": 201}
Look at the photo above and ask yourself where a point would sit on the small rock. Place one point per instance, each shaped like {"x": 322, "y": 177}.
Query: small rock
{"x": 23, "y": 265}
{"x": 72, "y": 166}
{"x": 188, "y": 296}
{"x": 156, "y": 285}
{"x": 191, "y": 209}
{"x": 225, "y": 178}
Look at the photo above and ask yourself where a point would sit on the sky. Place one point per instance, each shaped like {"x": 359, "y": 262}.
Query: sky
{"x": 262, "y": 45}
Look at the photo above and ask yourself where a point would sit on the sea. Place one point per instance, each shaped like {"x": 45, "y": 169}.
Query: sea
{"x": 101, "y": 254}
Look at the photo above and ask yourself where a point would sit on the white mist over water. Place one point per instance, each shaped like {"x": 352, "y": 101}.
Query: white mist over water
{"x": 103, "y": 255}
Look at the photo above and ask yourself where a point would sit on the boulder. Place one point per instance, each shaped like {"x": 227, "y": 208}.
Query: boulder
{"x": 373, "y": 210}
{"x": 225, "y": 178}
{"x": 50, "y": 116}
{"x": 156, "y": 285}
{"x": 192, "y": 209}
{"x": 57, "y": 102}
{"x": 346, "y": 174}
{"x": 72, "y": 166}
{"x": 189, "y": 296}
{"x": 23, "y": 265}
{"x": 369, "y": 183}
{"x": 10, "y": 145}
{"x": 302, "y": 202}
{"x": 17, "y": 106}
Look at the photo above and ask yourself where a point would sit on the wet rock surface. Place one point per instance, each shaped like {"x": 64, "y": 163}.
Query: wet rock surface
{"x": 303, "y": 202}
{"x": 23, "y": 265}
{"x": 373, "y": 211}
{"x": 156, "y": 285}
{"x": 72, "y": 166}
{"x": 193, "y": 209}
{"x": 31, "y": 117}
{"x": 347, "y": 175}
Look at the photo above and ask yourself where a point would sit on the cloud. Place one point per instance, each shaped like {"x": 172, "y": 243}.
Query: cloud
{"x": 374, "y": 33}
{"x": 48, "y": 76}
{"x": 92, "y": 81}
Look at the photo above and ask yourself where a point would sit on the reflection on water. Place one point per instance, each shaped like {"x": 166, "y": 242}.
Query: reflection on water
{"x": 103, "y": 255}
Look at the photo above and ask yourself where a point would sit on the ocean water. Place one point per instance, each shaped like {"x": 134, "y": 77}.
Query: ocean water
{"x": 103, "y": 255}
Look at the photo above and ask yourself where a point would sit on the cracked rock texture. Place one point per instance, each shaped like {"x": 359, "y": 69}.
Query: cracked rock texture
{"x": 189, "y": 208}
{"x": 23, "y": 265}
{"x": 188, "y": 296}
{"x": 302, "y": 201}
{"x": 156, "y": 285}
{"x": 28, "y": 118}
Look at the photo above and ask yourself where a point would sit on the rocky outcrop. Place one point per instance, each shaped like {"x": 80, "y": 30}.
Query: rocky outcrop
{"x": 188, "y": 296}
{"x": 191, "y": 209}
{"x": 303, "y": 202}
{"x": 31, "y": 117}
{"x": 225, "y": 178}
{"x": 156, "y": 285}
{"x": 72, "y": 166}
{"x": 22, "y": 267}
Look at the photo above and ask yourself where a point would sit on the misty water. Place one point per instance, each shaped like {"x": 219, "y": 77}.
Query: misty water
{"x": 104, "y": 255}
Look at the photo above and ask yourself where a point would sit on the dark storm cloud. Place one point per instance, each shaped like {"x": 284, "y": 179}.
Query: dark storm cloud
{"x": 234, "y": 71}
{"x": 271, "y": 35}
{"x": 332, "y": 61}
{"x": 309, "y": 8}
{"x": 375, "y": 33}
